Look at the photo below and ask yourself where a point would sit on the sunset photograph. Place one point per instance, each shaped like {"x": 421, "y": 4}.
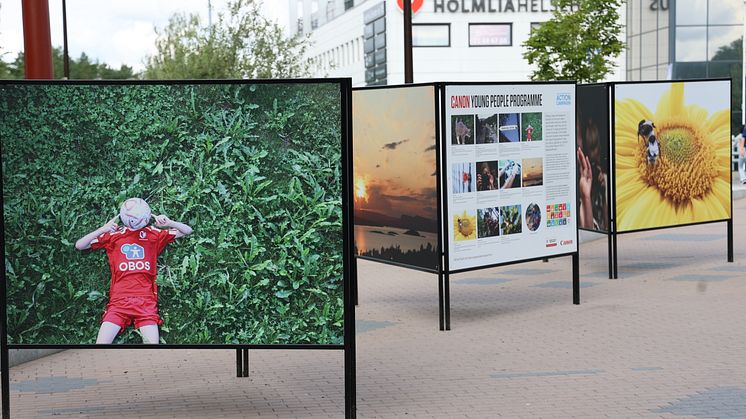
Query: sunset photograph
{"x": 394, "y": 165}
{"x": 533, "y": 172}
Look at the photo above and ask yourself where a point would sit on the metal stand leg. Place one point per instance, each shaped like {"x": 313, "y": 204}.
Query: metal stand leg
{"x": 615, "y": 260}
{"x": 611, "y": 257}
{"x": 730, "y": 240}
{"x": 576, "y": 278}
{"x": 441, "y": 319}
{"x": 245, "y": 362}
{"x": 447, "y": 300}
{"x": 239, "y": 363}
{"x": 5, "y": 367}
{"x": 355, "y": 288}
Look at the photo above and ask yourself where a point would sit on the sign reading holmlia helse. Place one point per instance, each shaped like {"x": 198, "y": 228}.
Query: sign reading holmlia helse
{"x": 488, "y": 6}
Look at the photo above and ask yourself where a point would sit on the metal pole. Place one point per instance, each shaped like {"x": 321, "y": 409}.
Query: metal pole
{"x": 65, "y": 54}
{"x": 350, "y": 368}
{"x": 576, "y": 278}
{"x": 615, "y": 263}
{"x": 408, "y": 70}
{"x": 447, "y": 289}
{"x": 353, "y": 273}
{"x": 611, "y": 256}
{"x": 209, "y": 13}
{"x": 37, "y": 41}
{"x": 5, "y": 367}
{"x": 440, "y": 301}
{"x": 4, "y": 362}
{"x": 239, "y": 363}
{"x": 245, "y": 362}
{"x": 730, "y": 240}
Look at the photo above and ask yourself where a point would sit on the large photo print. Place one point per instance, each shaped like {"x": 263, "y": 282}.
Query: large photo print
{"x": 592, "y": 136}
{"x": 394, "y": 175}
{"x": 176, "y": 214}
{"x": 672, "y": 153}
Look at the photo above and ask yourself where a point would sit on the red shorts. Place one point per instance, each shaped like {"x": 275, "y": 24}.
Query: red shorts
{"x": 123, "y": 311}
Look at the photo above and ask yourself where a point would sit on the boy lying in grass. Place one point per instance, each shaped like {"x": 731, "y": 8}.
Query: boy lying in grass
{"x": 133, "y": 251}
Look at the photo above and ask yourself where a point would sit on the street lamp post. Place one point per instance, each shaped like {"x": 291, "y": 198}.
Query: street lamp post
{"x": 408, "y": 70}
{"x": 65, "y": 54}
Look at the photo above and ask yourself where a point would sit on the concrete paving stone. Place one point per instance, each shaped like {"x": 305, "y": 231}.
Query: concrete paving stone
{"x": 689, "y": 238}
{"x": 482, "y": 281}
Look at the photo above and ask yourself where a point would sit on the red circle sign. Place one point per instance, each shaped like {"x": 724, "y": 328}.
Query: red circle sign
{"x": 416, "y": 5}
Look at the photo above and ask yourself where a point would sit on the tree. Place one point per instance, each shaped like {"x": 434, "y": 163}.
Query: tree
{"x": 241, "y": 44}
{"x": 82, "y": 68}
{"x": 579, "y": 42}
{"x": 5, "y": 68}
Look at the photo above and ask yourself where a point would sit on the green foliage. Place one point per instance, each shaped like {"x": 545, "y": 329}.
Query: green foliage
{"x": 579, "y": 43}
{"x": 241, "y": 44}
{"x": 80, "y": 69}
{"x": 254, "y": 169}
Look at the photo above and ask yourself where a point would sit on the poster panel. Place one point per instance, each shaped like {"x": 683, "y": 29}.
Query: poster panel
{"x": 592, "y": 135}
{"x": 510, "y": 152}
{"x": 394, "y": 175}
{"x": 672, "y": 153}
{"x": 243, "y": 240}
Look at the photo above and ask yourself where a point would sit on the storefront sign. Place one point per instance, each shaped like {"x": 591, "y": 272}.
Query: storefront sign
{"x": 494, "y": 6}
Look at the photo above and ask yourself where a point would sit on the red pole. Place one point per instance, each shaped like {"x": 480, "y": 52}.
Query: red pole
{"x": 37, "y": 40}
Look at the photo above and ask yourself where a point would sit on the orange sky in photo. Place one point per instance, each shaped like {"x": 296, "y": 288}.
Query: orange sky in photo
{"x": 393, "y": 146}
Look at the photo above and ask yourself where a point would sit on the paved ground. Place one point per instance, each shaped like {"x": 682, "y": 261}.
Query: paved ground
{"x": 667, "y": 339}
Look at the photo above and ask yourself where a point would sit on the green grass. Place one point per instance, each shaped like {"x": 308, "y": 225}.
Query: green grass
{"x": 254, "y": 169}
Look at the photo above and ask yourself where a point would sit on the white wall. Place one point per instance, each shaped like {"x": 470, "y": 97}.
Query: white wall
{"x": 337, "y": 46}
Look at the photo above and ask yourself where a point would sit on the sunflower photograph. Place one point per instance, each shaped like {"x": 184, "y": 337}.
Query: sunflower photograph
{"x": 465, "y": 226}
{"x": 672, "y": 153}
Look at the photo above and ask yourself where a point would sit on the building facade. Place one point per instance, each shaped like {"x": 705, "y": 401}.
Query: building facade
{"x": 480, "y": 40}
{"x": 453, "y": 40}
{"x": 686, "y": 39}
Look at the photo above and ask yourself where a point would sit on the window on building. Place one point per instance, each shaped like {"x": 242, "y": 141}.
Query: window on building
{"x": 431, "y": 35}
{"x": 349, "y": 4}
{"x": 691, "y": 43}
{"x": 330, "y": 10}
{"x": 490, "y": 34}
{"x": 691, "y": 12}
{"x": 535, "y": 25}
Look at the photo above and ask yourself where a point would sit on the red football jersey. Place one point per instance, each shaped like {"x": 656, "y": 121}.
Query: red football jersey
{"x": 133, "y": 256}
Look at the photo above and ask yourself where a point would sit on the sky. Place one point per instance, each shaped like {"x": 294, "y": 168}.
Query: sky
{"x": 395, "y": 161}
{"x": 114, "y": 32}
{"x": 696, "y": 93}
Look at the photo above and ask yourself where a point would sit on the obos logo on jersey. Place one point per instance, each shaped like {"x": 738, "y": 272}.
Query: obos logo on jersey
{"x": 133, "y": 252}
